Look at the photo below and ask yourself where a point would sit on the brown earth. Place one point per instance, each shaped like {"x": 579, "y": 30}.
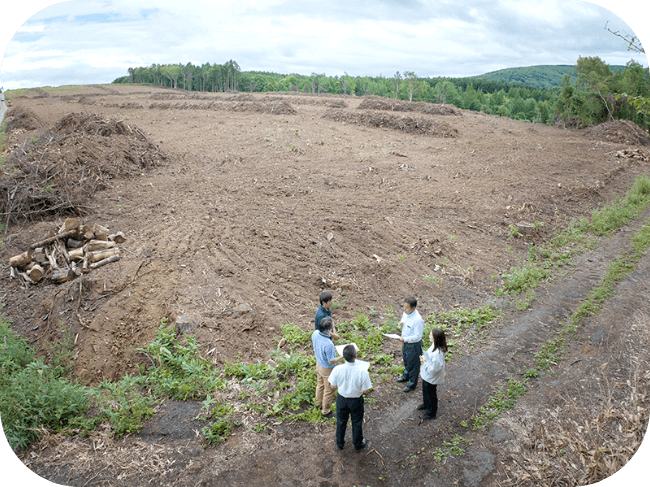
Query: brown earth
{"x": 259, "y": 203}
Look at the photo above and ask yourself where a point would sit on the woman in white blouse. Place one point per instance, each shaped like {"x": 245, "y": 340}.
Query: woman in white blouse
{"x": 432, "y": 372}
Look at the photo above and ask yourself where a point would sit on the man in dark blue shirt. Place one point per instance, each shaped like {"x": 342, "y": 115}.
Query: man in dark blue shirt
{"x": 324, "y": 308}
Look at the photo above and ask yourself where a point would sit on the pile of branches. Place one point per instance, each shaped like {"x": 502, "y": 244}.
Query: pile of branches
{"x": 422, "y": 126}
{"x": 618, "y": 131}
{"x": 73, "y": 250}
{"x": 381, "y": 103}
{"x": 22, "y": 118}
{"x": 58, "y": 172}
{"x": 275, "y": 107}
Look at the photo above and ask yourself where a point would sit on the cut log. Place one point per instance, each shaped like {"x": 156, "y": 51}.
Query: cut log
{"x": 113, "y": 258}
{"x": 39, "y": 255}
{"x": 36, "y": 273}
{"x": 86, "y": 233}
{"x": 64, "y": 252}
{"x": 101, "y": 233}
{"x": 99, "y": 245}
{"x": 21, "y": 260}
{"x": 63, "y": 275}
{"x": 70, "y": 224}
{"x": 102, "y": 254}
{"x": 74, "y": 244}
{"x": 76, "y": 254}
{"x": 117, "y": 237}
{"x": 26, "y": 278}
{"x": 51, "y": 259}
{"x": 43, "y": 243}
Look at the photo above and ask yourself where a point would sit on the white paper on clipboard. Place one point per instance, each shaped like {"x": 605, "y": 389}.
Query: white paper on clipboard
{"x": 391, "y": 335}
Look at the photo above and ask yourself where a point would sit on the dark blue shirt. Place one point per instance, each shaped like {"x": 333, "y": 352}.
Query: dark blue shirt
{"x": 320, "y": 314}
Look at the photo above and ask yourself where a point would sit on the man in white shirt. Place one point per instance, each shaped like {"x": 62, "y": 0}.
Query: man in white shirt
{"x": 352, "y": 382}
{"x": 412, "y": 327}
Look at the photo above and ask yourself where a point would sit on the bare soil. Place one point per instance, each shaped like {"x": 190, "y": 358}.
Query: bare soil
{"x": 256, "y": 204}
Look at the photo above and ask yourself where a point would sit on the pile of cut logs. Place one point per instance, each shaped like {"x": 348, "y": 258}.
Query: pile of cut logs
{"x": 75, "y": 249}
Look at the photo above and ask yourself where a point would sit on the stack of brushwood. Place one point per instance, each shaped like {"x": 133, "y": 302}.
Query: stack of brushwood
{"x": 73, "y": 250}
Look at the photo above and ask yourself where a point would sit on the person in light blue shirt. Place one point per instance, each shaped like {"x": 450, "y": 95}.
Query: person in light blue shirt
{"x": 412, "y": 327}
{"x": 326, "y": 359}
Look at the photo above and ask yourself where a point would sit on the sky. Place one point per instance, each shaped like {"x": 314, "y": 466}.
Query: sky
{"x": 51, "y": 43}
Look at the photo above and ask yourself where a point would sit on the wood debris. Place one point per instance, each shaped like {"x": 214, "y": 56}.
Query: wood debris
{"x": 72, "y": 251}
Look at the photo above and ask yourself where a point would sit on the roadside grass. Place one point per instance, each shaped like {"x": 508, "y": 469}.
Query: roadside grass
{"x": 552, "y": 353}
{"x": 542, "y": 263}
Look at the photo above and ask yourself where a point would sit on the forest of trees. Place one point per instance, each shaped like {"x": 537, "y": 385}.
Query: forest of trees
{"x": 591, "y": 92}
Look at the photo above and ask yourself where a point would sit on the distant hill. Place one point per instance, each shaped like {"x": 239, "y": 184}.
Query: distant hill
{"x": 543, "y": 76}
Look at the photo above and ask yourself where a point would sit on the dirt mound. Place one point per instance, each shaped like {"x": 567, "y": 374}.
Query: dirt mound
{"x": 59, "y": 172}
{"x": 124, "y": 106}
{"x": 381, "y": 103}
{"x": 618, "y": 131}
{"x": 22, "y": 118}
{"x": 413, "y": 125}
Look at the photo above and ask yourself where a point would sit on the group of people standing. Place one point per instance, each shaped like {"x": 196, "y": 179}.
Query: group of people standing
{"x": 353, "y": 381}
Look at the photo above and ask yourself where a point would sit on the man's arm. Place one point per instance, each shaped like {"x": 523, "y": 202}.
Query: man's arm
{"x": 337, "y": 359}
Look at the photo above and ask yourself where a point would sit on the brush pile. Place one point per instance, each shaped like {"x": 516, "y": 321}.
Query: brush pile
{"x": 412, "y": 125}
{"x": 73, "y": 250}
{"x": 381, "y": 103}
{"x": 58, "y": 171}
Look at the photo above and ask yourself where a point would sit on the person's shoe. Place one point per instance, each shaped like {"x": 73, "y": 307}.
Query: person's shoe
{"x": 421, "y": 407}
{"x": 339, "y": 447}
{"x": 426, "y": 417}
{"x": 363, "y": 445}
{"x": 328, "y": 415}
{"x": 402, "y": 379}
{"x": 408, "y": 389}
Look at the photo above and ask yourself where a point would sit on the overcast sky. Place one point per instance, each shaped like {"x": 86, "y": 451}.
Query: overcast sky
{"x": 95, "y": 41}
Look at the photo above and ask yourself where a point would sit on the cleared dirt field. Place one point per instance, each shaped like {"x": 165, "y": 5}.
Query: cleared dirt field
{"x": 239, "y": 209}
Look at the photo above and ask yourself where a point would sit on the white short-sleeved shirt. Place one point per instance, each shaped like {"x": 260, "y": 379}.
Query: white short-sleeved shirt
{"x": 350, "y": 379}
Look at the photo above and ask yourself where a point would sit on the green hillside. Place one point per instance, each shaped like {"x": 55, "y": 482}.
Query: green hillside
{"x": 543, "y": 76}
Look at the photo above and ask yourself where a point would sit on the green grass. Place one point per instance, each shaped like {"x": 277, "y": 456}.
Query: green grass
{"x": 34, "y": 395}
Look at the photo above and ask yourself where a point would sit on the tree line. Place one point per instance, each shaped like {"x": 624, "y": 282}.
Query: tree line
{"x": 590, "y": 93}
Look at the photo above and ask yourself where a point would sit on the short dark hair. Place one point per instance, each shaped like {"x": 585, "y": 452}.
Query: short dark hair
{"x": 325, "y": 324}
{"x": 325, "y": 296}
{"x": 349, "y": 353}
{"x": 412, "y": 302}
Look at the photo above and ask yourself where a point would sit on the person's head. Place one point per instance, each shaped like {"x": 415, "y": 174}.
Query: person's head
{"x": 325, "y": 325}
{"x": 410, "y": 303}
{"x": 438, "y": 339}
{"x": 349, "y": 353}
{"x": 325, "y": 299}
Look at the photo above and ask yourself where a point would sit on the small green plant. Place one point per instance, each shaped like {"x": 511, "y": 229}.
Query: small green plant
{"x": 514, "y": 231}
{"x": 400, "y": 257}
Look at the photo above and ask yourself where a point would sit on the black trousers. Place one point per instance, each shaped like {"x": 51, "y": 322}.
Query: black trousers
{"x": 347, "y": 407}
{"x": 430, "y": 397}
{"x": 411, "y": 354}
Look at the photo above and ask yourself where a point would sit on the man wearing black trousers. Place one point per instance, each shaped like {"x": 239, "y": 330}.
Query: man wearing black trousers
{"x": 352, "y": 383}
{"x": 412, "y": 327}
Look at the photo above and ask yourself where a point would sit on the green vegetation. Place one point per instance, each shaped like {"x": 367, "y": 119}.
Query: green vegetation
{"x": 505, "y": 397}
{"x": 451, "y": 448}
{"x": 542, "y": 261}
{"x": 34, "y": 395}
